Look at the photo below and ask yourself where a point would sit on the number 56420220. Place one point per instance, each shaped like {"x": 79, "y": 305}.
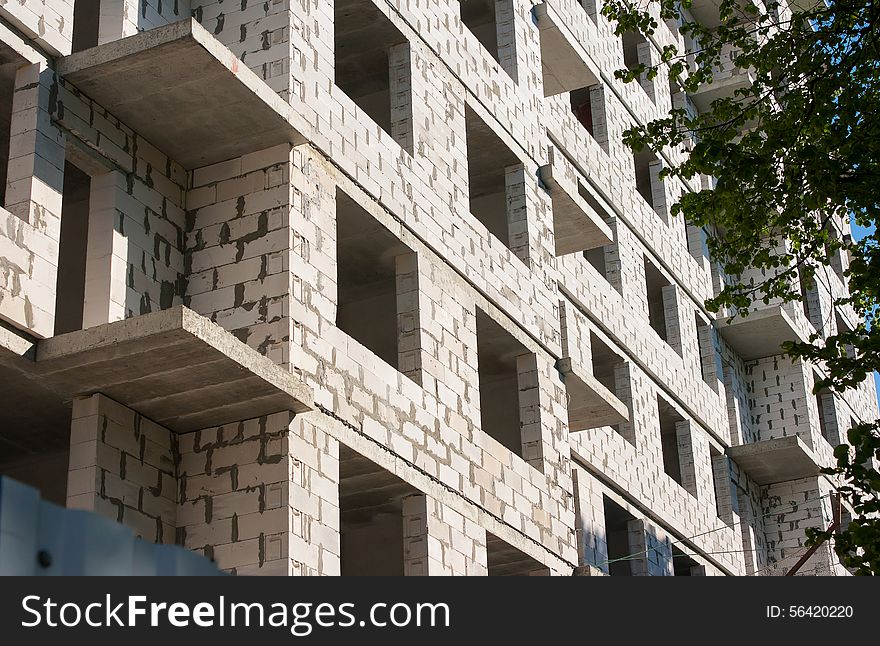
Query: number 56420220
{"x": 809, "y": 612}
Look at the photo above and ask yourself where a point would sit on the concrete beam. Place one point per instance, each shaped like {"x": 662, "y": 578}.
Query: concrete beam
{"x": 566, "y": 65}
{"x": 185, "y": 93}
{"x": 577, "y": 225}
{"x": 175, "y": 367}
{"x": 760, "y": 334}
{"x": 778, "y": 460}
{"x": 591, "y": 404}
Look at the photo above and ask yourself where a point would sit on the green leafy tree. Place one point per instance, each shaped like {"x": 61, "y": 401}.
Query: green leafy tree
{"x": 795, "y": 150}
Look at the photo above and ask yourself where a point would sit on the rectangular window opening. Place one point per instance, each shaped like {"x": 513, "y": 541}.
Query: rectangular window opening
{"x": 506, "y": 560}
{"x": 479, "y": 17}
{"x": 668, "y": 422}
{"x": 488, "y": 161}
{"x": 72, "y": 250}
{"x": 365, "y": 42}
{"x": 827, "y": 416}
{"x": 648, "y": 185}
{"x": 617, "y": 520}
{"x": 655, "y": 282}
{"x": 371, "y": 521}
{"x": 582, "y": 108}
{"x": 367, "y": 278}
{"x": 86, "y": 19}
{"x": 501, "y": 408}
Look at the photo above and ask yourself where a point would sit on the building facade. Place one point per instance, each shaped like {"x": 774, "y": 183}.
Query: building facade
{"x": 371, "y": 287}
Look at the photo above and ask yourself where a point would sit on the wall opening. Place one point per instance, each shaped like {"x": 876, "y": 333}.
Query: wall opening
{"x": 655, "y": 282}
{"x": 366, "y": 42}
{"x": 810, "y": 300}
{"x": 367, "y": 255}
{"x": 371, "y": 525}
{"x": 590, "y": 6}
{"x": 636, "y": 51}
{"x": 668, "y": 423}
{"x": 480, "y": 18}
{"x": 605, "y": 364}
{"x": 844, "y": 328}
{"x": 488, "y": 161}
{"x": 722, "y": 484}
{"x": 709, "y": 358}
{"x": 582, "y": 108}
{"x": 9, "y": 64}
{"x": 497, "y": 354}
{"x": 86, "y": 18}
{"x": 684, "y": 565}
{"x": 648, "y": 184}
{"x": 71, "y": 281}
{"x": 617, "y": 520}
{"x": 506, "y": 560}
{"x": 827, "y": 416}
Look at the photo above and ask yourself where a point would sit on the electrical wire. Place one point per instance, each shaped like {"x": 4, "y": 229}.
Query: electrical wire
{"x": 775, "y": 512}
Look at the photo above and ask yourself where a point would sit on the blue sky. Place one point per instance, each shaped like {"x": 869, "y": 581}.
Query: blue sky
{"x": 859, "y": 233}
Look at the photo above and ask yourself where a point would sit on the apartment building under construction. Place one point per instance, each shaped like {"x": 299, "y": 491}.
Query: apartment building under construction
{"x": 374, "y": 287}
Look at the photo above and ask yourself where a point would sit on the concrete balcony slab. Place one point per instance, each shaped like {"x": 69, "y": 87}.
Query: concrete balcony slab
{"x": 565, "y": 64}
{"x": 591, "y": 405}
{"x": 778, "y": 460}
{"x": 185, "y": 93}
{"x": 578, "y": 224}
{"x": 175, "y": 367}
{"x": 761, "y": 333}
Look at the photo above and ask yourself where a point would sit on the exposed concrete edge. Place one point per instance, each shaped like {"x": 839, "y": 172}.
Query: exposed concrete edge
{"x": 174, "y": 319}
{"x": 15, "y": 345}
{"x": 183, "y": 30}
{"x": 570, "y": 371}
{"x": 21, "y": 46}
{"x": 432, "y": 486}
{"x": 547, "y": 18}
{"x": 785, "y": 446}
{"x": 619, "y": 494}
{"x": 559, "y": 189}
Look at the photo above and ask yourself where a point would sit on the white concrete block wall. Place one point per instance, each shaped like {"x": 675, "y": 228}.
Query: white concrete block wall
{"x": 250, "y": 243}
{"x": 48, "y": 23}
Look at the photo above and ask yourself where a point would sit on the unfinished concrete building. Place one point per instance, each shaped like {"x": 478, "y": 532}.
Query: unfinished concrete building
{"x": 372, "y": 287}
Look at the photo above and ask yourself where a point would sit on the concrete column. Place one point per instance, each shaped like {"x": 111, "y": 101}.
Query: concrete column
{"x": 437, "y": 540}
{"x": 651, "y": 550}
{"x": 688, "y": 457}
{"x": 261, "y": 34}
{"x": 600, "y": 116}
{"x": 623, "y": 389}
{"x": 646, "y": 57}
{"x": 106, "y": 254}
{"x": 409, "y": 329}
{"x": 518, "y": 225}
{"x": 507, "y": 33}
{"x": 34, "y": 188}
{"x": 118, "y": 19}
{"x": 531, "y": 429}
{"x": 672, "y": 316}
{"x": 123, "y": 466}
{"x": 262, "y": 496}
{"x": 401, "y": 81}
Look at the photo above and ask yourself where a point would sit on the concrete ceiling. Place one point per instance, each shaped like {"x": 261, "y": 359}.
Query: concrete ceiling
{"x": 506, "y": 560}
{"x": 174, "y": 367}
{"x": 366, "y": 249}
{"x": 185, "y": 93}
{"x": 363, "y": 35}
{"x": 367, "y": 490}
{"x": 497, "y": 348}
{"x": 488, "y": 156}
